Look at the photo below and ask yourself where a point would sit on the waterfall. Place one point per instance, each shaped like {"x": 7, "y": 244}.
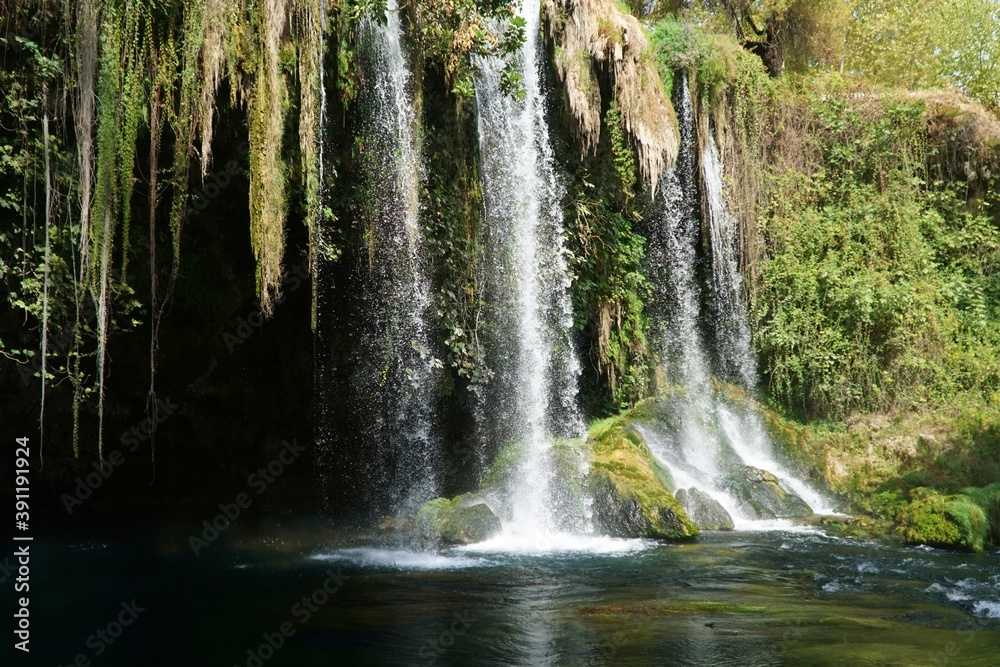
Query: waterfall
{"x": 745, "y": 432}
{"x": 531, "y": 398}
{"x": 712, "y": 435}
{"x": 733, "y": 349}
{"x": 675, "y": 274}
{"x": 399, "y": 373}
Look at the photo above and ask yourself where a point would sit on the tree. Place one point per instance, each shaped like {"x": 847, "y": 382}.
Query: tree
{"x": 793, "y": 33}
{"x": 929, "y": 44}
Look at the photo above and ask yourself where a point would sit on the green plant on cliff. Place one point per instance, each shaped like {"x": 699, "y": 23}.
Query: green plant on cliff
{"x": 871, "y": 295}
{"x": 450, "y": 209}
{"x": 606, "y": 254}
{"x": 450, "y": 31}
{"x": 127, "y": 91}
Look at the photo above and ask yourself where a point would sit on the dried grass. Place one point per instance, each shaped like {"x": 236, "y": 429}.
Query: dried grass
{"x": 595, "y": 40}
{"x": 267, "y": 178}
{"x": 966, "y": 133}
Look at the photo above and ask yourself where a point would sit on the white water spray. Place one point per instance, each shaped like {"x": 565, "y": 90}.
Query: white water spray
{"x": 526, "y": 281}
{"x": 712, "y": 435}
{"x": 399, "y": 297}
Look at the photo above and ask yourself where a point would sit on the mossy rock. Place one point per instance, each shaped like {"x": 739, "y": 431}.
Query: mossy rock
{"x": 988, "y": 498}
{"x": 760, "y": 494}
{"x": 706, "y": 512}
{"x": 461, "y": 520}
{"x": 859, "y": 527}
{"x": 567, "y": 495}
{"x": 630, "y": 491}
{"x": 950, "y": 522}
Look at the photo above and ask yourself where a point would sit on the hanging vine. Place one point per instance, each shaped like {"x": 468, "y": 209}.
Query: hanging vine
{"x": 155, "y": 66}
{"x": 151, "y": 70}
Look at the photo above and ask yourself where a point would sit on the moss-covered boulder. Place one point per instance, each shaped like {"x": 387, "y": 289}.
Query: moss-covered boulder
{"x": 760, "y": 494}
{"x": 988, "y": 498}
{"x": 951, "y": 522}
{"x": 630, "y": 492}
{"x": 706, "y": 512}
{"x": 566, "y": 462}
{"x": 462, "y": 520}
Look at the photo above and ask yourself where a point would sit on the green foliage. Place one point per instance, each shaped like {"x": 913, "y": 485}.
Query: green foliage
{"x": 872, "y": 295}
{"x": 794, "y": 33}
{"x": 135, "y": 65}
{"x": 621, "y": 154}
{"x": 610, "y": 290}
{"x": 720, "y": 68}
{"x": 945, "y": 521}
{"x": 928, "y": 44}
{"x": 678, "y": 46}
{"x": 27, "y": 75}
{"x": 988, "y": 498}
{"x": 450, "y": 207}
{"x": 40, "y": 279}
{"x": 449, "y": 32}
{"x": 606, "y": 253}
{"x": 977, "y": 459}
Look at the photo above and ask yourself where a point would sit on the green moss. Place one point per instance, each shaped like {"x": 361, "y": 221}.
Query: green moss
{"x": 988, "y": 499}
{"x": 461, "y": 520}
{"x": 944, "y": 521}
{"x": 601, "y": 426}
{"x": 670, "y": 608}
{"x": 630, "y": 491}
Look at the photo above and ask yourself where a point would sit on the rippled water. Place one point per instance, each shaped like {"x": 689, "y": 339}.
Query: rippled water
{"x": 766, "y": 598}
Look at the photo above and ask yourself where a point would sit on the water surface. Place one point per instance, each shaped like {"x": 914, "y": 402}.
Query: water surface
{"x": 779, "y": 597}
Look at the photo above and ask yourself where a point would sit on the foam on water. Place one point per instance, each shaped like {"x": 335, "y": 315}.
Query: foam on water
{"x": 775, "y": 525}
{"x": 541, "y": 544}
{"x": 401, "y": 559}
{"x": 982, "y": 598}
{"x": 986, "y": 609}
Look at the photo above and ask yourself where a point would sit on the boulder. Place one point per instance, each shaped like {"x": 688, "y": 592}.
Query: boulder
{"x": 630, "y": 491}
{"x": 951, "y": 522}
{"x": 462, "y": 520}
{"x": 706, "y": 512}
{"x": 760, "y": 495}
{"x": 566, "y": 463}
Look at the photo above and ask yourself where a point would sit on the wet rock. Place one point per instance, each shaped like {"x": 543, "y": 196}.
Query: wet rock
{"x": 629, "y": 492}
{"x": 567, "y": 463}
{"x": 760, "y": 495}
{"x": 706, "y": 512}
{"x": 461, "y": 520}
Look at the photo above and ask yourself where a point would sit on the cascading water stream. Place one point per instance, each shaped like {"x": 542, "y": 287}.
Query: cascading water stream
{"x": 398, "y": 297}
{"x": 745, "y": 432}
{"x": 672, "y": 264}
{"x": 526, "y": 281}
{"x": 712, "y": 436}
{"x": 732, "y": 338}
